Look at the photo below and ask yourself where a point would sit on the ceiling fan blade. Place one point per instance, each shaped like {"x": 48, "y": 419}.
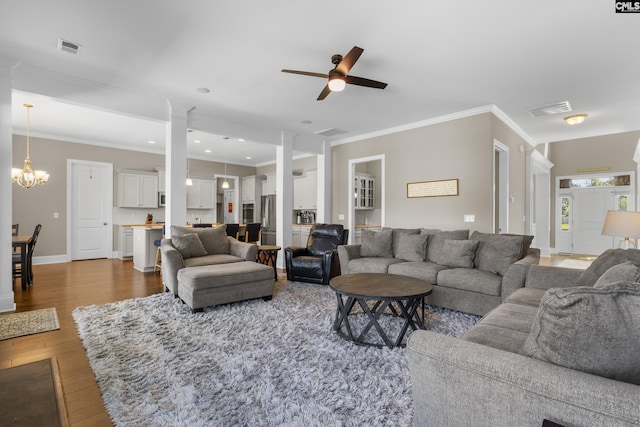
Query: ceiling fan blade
{"x": 361, "y": 81}
{"x": 306, "y": 73}
{"x": 326, "y": 91}
{"x": 349, "y": 60}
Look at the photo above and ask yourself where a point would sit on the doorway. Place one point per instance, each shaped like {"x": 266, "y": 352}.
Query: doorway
{"x": 500, "y": 187}
{"x": 225, "y": 212}
{"x": 581, "y": 207}
{"x": 89, "y": 207}
{"x": 379, "y": 162}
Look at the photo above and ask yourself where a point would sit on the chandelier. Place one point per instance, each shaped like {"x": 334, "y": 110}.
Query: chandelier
{"x": 26, "y": 177}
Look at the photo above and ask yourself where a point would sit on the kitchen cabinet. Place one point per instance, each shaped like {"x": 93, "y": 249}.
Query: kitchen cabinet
{"x": 364, "y": 191}
{"x": 126, "y": 243}
{"x": 300, "y": 235}
{"x": 305, "y": 191}
{"x": 201, "y": 195}
{"x": 137, "y": 189}
{"x": 162, "y": 177}
{"x": 248, "y": 185}
{"x": 269, "y": 185}
{"x": 300, "y": 186}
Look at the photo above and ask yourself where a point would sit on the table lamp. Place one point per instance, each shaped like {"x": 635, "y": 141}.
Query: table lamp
{"x": 622, "y": 224}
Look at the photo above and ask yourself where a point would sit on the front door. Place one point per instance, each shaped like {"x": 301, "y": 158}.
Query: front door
{"x": 90, "y": 214}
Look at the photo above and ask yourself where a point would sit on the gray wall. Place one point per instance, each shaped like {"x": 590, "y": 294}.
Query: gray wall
{"x": 460, "y": 149}
{"x": 37, "y": 205}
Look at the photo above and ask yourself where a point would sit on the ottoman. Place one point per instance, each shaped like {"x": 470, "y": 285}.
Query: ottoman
{"x": 219, "y": 284}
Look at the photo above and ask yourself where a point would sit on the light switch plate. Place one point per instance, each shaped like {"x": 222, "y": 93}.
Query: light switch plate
{"x": 341, "y": 217}
{"x": 469, "y": 218}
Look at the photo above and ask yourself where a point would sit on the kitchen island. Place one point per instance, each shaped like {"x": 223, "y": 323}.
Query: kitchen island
{"x": 144, "y": 250}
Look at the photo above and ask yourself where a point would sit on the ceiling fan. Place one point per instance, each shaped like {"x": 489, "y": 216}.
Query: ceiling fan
{"x": 338, "y": 76}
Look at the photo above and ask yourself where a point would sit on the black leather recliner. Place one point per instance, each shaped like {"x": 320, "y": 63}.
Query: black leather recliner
{"x": 318, "y": 262}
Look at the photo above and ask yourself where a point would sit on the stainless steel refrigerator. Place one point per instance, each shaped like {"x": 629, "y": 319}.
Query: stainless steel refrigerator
{"x": 268, "y": 209}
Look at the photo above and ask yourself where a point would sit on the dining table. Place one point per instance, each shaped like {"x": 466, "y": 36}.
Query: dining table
{"x": 22, "y": 243}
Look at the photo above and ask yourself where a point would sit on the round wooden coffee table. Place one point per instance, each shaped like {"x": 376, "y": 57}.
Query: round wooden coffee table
{"x": 400, "y": 294}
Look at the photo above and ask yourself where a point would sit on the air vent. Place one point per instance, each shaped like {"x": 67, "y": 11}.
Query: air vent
{"x": 69, "y": 47}
{"x": 331, "y": 132}
{"x": 549, "y": 109}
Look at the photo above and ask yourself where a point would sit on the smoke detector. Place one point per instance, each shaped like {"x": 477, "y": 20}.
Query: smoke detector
{"x": 69, "y": 47}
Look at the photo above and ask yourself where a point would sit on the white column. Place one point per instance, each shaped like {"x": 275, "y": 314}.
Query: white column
{"x": 284, "y": 194}
{"x": 323, "y": 162}
{"x": 6, "y": 153}
{"x": 176, "y": 167}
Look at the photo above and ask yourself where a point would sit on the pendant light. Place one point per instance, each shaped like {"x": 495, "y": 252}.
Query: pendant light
{"x": 26, "y": 177}
{"x": 225, "y": 183}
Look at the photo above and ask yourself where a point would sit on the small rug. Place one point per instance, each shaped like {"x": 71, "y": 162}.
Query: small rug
{"x": 581, "y": 264}
{"x": 253, "y": 363}
{"x": 28, "y": 323}
{"x": 31, "y": 395}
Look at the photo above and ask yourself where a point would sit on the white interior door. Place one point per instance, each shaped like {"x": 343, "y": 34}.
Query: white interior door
{"x": 90, "y": 213}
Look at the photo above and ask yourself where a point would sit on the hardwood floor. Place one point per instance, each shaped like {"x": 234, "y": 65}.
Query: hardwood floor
{"x": 65, "y": 287}
{"x": 80, "y": 283}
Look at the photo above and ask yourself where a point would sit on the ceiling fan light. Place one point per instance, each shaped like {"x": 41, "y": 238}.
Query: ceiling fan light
{"x": 575, "y": 119}
{"x": 336, "y": 81}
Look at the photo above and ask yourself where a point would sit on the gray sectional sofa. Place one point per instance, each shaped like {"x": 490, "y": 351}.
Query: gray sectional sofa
{"x": 564, "y": 348}
{"x": 471, "y": 273}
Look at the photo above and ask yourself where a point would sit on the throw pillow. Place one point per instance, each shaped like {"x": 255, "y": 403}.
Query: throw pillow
{"x": 377, "y": 243}
{"x": 606, "y": 260}
{"x": 214, "y": 239}
{"x": 496, "y": 252}
{"x": 189, "y": 245}
{"x": 526, "y": 243}
{"x": 411, "y": 247}
{"x": 458, "y": 253}
{"x": 591, "y": 330}
{"x": 627, "y": 271}
{"x": 397, "y": 233}
{"x": 436, "y": 241}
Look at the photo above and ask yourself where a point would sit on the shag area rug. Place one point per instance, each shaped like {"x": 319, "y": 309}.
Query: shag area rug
{"x": 255, "y": 363}
{"x": 28, "y": 323}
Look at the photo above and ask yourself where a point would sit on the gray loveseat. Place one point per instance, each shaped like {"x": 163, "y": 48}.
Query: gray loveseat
{"x": 468, "y": 273}
{"x": 565, "y": 348}
{"x": 212, "y": 248}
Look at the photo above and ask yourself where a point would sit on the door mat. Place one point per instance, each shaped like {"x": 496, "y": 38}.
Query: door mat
{"x": 31, "y": 395}
{"x": 28, "y": 322}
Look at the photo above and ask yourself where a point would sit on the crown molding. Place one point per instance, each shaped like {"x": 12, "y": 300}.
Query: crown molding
{"x": 443, "y": 119}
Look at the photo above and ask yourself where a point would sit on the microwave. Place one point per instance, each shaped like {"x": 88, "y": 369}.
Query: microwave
{"x": 161, "y": 199}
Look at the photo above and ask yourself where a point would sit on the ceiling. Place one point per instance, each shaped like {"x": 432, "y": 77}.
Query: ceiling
{"x": 438, "y": 58}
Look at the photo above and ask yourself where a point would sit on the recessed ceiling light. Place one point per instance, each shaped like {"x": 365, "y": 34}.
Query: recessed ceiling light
{"x": 151, "y": 142}
{"x": 203, "y": 90}
{"x": 197, "y": 141}
{"x": 240, "y": 139}
{"x": 207, "y": 151}
{"x": 248, "y": 157}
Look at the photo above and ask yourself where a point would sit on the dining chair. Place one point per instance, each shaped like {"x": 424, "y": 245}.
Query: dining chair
{"x": 14, "y": 233}
{"x": 233, "y": 230}
{"x": 27, "y": 270}
{"x": 252, "y": 232}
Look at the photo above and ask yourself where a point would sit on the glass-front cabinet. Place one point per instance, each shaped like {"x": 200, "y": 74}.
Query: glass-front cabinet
{"x": 364, "y": 191}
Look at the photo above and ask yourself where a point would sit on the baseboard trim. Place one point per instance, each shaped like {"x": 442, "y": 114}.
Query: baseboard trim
{"x": 50, "y": 259}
